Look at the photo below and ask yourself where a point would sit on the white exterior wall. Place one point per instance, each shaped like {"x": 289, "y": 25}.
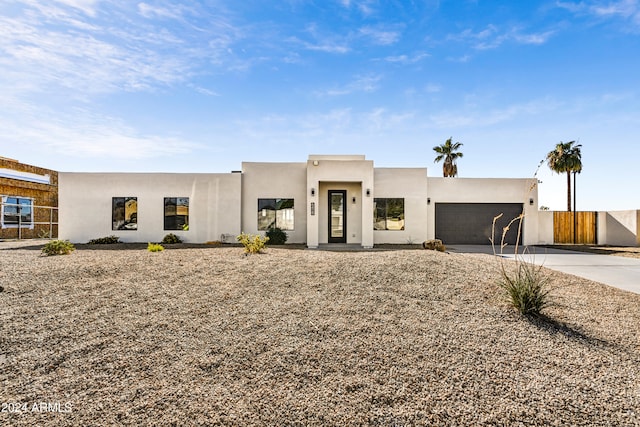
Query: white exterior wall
{"x": 619, "y": 228}
{"x": 410, "y": 184}
{"x": 228, "y": 203}
{"x": 275, "y": 181}
{"x": 545, "y": 228}
{"x": 85, "y": 202}
{"x": 340, "y": 172}
{"x": 487, "y": 190}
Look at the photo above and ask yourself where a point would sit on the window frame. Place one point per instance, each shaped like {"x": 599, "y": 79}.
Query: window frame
{"x": 286, "y": 205}
{"x": 30, "y": 224}
{"x": 123, "y": 226}
{"x": 176, "y": 226}
{"x": 376, "y": 218}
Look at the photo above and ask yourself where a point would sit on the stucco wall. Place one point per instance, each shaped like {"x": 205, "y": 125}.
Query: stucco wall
{"x": 410, "y": 184}
{"x": 545, "y": 228}
{"x": 487, "y": 190}
{"x": 85, "y": 201}
{"x": 619, "y": 228}
{"x": 274, "y": 181}
{"x": 334, "y": 170}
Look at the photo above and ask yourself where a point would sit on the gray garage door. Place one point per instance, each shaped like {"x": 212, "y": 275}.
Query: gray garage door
{"x": 470, "y": 223}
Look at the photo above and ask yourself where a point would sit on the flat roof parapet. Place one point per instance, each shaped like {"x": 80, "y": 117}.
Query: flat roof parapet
{"x": 337, "y": 157}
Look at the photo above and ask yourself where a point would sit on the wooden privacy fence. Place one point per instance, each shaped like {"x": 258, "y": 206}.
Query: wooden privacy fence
{"x": 584, "y": 224}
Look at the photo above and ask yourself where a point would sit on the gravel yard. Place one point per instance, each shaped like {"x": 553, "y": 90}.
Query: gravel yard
{"x": 208, "y": 336}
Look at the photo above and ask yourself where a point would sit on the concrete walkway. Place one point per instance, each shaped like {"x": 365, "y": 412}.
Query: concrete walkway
{"x": 616, "y": 271}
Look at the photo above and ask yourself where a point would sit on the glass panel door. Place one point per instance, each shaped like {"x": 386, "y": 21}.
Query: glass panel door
{"x": 337, "y": 216}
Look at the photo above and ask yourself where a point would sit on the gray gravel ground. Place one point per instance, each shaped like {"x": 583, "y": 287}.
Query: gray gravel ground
{"x": 208, "y": 336}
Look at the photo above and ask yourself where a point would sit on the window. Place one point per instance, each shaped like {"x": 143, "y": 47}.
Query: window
{"x": 17, "y": 212}
{"x": 388, "y": 214}
{"x": 176, "y": 213}
{"x": 124, "y": 213}
{"x": 275, "y": 213}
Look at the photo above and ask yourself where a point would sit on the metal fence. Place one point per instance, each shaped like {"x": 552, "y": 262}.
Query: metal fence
{"x": 26, "y": 221}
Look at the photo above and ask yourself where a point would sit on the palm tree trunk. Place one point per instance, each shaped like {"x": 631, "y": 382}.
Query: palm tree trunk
{"x": 568, "y": 191}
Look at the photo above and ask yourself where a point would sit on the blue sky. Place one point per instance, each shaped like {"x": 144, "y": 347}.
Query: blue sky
{"x": 106, "y": 85}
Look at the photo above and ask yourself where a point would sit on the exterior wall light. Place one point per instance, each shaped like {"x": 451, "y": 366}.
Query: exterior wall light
{"x": 313, "y": 192}
{"x": 354, "y": 199}
{"x": 428, "y": 200}
{"x": 368, "y": 192}
{"x": 531, "y": 201}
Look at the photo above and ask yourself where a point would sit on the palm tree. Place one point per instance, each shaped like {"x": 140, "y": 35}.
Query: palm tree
{"x": 566, "y": 158}
{"x": 449, "y": 153}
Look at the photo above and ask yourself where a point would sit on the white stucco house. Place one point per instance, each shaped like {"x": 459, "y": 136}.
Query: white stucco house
{"x": 327, "y": 199}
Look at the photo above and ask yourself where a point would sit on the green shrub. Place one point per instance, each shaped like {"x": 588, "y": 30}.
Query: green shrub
{"x": 276, "y": 236}
{"x": 526, "y": 287}
{"x": 109, "y": 240}
{"x": 58, "y": 247}
{"x": 155, "y": 247}
{"x": 253, "y": 244}
{"x": 171, "y": 239}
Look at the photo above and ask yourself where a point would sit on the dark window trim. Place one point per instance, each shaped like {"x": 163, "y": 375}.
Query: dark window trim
{"x": 175, "y": 222}
{"x": 132, "y": 225}
{"x": 385, "y": 200}
{"x": 276, "y": 204}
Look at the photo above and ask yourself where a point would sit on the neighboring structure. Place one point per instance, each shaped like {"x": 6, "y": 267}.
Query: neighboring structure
{"x": 29, "y": 200}
{"x": 328, "y": 199}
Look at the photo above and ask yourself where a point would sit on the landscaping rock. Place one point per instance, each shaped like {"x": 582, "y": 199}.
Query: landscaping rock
{"x": 434, "y": 244}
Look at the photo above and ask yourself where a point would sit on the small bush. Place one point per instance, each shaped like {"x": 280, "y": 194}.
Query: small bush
{"x": 171, "y": 239}
{"x": 253, "y": 244}
{"x": 276, "y": 236}
{"x": 58, "y": 247}
{"x": 155, "y": 247}
{"x": 526, "y": 288}
{"x": 109, "y": 240}
{"x": 526, "y": 285}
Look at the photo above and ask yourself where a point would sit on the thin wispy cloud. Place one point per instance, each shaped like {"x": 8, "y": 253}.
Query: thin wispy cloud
{"x": 363, "y": 84}
{"x": 75, "y": 45}
{"x": 86, "y": 6}
{"x": 625, "y": 10}
{"x": 365, "y": 7}
{"x": 151, "y": 11}
{"x": 433, "y": 88}
{"x": 492, "y": 37}
{"x": 322, "y": 41}
{"x": 380, "y": 36}
{"x": 406, "y": 59}
{"x": 480, "y": 116}
{"x": 86, "y": 134}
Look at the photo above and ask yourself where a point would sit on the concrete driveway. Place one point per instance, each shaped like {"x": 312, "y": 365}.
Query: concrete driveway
{"x": 620, "y": 272}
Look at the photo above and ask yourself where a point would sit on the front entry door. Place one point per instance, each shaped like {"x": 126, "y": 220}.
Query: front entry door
{"x": 337, "y": 216}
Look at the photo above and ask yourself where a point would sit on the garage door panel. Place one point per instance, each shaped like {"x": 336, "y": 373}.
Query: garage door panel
{"x": 470, "y": 223}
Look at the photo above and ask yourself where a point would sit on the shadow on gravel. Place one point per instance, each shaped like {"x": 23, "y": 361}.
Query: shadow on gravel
{"x": 554, "y": 327}
{"x": 37, "y": 247}
{"x": 120, "y": 246}
{"x": 139, "y": 246}
{"x": 599, "y": 250}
